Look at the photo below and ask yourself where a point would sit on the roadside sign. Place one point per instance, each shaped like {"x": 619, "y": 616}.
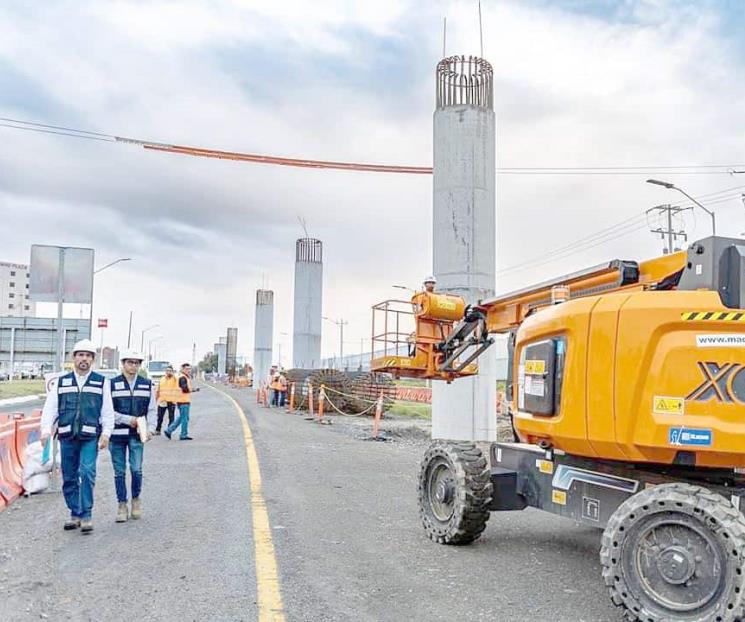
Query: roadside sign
{"x": 103, "y": 323}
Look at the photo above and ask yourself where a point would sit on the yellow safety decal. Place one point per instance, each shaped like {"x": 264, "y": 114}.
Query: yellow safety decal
{"x": 713, "y": 316}
{"x": 662, "y": 405}
{"x": 545, "y": 466}
{"x": 559, "y": 497}
{"x": 535, "y": 368}
{"x": 444, "y": 303}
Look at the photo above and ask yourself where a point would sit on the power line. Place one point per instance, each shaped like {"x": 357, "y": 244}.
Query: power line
{"x": 694, "y": 169}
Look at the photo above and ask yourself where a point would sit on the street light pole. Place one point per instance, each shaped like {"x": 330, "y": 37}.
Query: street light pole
{"x": 90, "y": 310}
{"x": 142, "y": 336}
{"x": 669, "y": 186}
{"x": 340, "y": 323}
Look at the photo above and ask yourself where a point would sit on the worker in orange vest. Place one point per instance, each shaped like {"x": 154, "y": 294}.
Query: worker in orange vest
{"x": 167, "y": 395}
{"x": 276, "y": 387}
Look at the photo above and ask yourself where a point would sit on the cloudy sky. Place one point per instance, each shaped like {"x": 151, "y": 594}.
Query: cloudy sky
{"x": 577, "y": 84}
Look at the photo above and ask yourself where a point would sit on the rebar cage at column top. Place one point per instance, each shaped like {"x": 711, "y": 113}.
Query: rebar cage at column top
{"x": 465, "y": 80}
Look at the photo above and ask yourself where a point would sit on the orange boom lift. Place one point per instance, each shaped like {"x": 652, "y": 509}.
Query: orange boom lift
{"x": 626, "y": 385}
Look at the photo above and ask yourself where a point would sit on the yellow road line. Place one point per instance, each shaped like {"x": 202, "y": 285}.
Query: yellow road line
{"x": 271, "y": 608}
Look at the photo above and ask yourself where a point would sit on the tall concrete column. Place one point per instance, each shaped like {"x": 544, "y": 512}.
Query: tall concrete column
{"x": 222, "y": 356}
{"x": 306, "y": 334}
{"x": 263, "y": 334}
{"x": 464, "y": 231}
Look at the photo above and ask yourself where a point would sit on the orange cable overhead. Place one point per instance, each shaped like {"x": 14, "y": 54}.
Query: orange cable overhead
{"x": 262, "y": 159}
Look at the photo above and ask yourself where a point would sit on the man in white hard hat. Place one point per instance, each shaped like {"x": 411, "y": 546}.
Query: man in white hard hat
{"x": 429, "y": 284}
{"x": 80, "y": 404}
{"x": 134, "y": 406}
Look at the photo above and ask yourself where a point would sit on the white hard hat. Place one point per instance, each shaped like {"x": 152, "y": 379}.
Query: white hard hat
{"x": 430, "y": 279}
{"x": 133, "y": 355}
{"x": 84, "y": 345}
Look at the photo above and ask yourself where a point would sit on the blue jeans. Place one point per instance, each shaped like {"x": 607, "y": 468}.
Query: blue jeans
{"x": 182, "y": 420}
{"x": 78, "y": 458}
{"x": 119, "y": 460}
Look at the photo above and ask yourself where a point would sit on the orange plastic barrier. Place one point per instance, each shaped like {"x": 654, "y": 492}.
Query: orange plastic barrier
{"x": 28, "y": 430}
{"x": 10, "y": 467}
{"x": 414, "y": 394}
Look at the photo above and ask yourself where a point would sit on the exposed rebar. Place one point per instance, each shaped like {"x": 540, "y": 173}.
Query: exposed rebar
{"x": 465, "y": 80}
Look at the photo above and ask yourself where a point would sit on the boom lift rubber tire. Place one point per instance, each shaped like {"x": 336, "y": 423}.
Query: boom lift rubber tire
{"x": 674, "y": 553}
{"x": 454, "y": 492}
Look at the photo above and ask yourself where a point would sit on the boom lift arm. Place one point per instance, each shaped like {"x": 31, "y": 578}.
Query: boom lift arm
{"x": 462, "y": 341}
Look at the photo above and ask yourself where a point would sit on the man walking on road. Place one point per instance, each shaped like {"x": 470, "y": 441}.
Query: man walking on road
{"x": 134, "y": 407}
{"x": 184, "y": 404}
{"x": 80, "y": 404}
{"x": 167, "y": 395}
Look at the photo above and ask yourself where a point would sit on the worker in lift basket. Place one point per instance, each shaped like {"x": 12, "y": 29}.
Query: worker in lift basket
{"x": 81, "y": 406}
{"x": 135, "y": 420}
{"x": 429, "y": 287}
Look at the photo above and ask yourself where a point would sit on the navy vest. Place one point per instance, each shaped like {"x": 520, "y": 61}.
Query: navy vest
{"x": 132, "y": 401}
{"x": 79, "y": 408}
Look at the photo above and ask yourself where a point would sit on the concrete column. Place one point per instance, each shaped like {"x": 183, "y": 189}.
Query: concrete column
{"x": 231, "y": 351}
{"x": 464, "y": 231}
{"x": 306, "y": 335}
{"x": 263, "y": 335}
{"x": 222, "y": 356}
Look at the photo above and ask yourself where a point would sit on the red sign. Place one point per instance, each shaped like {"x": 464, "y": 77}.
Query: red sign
{"x": 103, "y": 323}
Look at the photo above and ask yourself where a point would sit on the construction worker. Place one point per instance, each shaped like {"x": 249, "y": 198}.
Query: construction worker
{"x": 282, "y": 388}
{"x": 167, "y": 395}
{"x": 276, "y": 387}
{"x": 80, "y": 404}
{"x": 429, "y": 284}
{"x": 134, "y": 403}
{"x": 184, "y": 404}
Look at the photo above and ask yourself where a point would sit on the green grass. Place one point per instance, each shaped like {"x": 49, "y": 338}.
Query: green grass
{"x": 411, "y": 382}
{"x": 411, "y": 409}
{"x": 19, "y": 388}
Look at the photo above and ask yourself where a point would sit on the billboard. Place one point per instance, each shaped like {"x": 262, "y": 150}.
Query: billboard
{"x": 77, "y": 274}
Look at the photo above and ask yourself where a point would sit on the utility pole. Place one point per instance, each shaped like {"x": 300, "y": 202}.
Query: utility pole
{"x": 129, "y": 332}
{"x": 669, "y": 211}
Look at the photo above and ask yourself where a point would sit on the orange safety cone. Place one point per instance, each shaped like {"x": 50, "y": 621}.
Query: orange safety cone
{"x": 310, "y": 400}
{"x": 321, "y": 400}
{"x": 378, "y": 415}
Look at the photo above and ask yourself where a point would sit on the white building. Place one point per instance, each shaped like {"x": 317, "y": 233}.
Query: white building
{"x": 14, "y": 291}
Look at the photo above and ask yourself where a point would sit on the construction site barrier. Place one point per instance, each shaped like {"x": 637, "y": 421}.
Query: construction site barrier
{"x": 423, "y": 395}
{"x": 414, "y": 394}
{"x": 28, "y": 430}
{"x": 16, "y": 432}
{"x": 11, "y": 473}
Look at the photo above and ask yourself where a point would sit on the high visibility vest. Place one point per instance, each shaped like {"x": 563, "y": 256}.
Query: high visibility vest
{"x": 132, "y": 401}
{"x": 184, "y": 398}
{"x": 79, "y": 408}
{"x": 276, "y": 385}
{"x": 168, "y": 389}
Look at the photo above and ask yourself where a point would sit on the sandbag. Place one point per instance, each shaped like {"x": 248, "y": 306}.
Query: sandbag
{"x": 35, "y": 472}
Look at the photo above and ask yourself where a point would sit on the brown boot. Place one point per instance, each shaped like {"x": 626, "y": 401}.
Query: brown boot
{"x": 136, "y": 508}
{"x": 121, "y": 513}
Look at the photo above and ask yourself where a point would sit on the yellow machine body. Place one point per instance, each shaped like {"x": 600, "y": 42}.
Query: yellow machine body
{"x": 638, "y": 376}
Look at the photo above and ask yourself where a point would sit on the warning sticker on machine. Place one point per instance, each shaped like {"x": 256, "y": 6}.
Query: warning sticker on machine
{"x": 535, "y": 386}
{"x": 535, "y": 368}
{"x": 662, "y": 405}
{"x": 559, "y": 497}
{"x": 720, "y": 341}
{"x": 690, "y": 436}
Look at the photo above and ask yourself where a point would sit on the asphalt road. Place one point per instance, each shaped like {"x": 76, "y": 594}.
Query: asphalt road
{"x": 345, "y": 528}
